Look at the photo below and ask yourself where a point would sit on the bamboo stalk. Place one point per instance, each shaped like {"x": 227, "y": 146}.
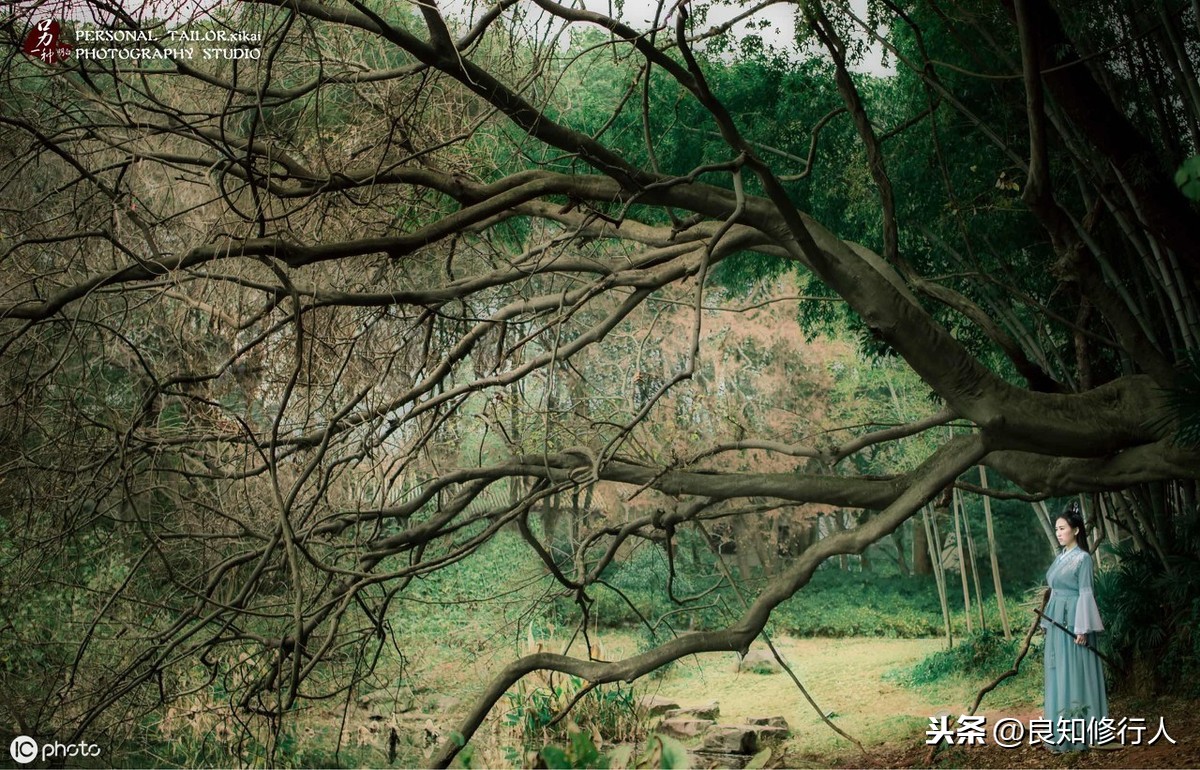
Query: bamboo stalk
{"x": 1174, "y": 290}
{"x": 971, "y": 552}
{"x": 962, "y": 565}
{"x": 1137, "y": 514}
{"x": 1182, "y": 64}
{"x": 935, "y": 555}
{"x": 1043, "y": 515}
{"x": 994, "y": 558}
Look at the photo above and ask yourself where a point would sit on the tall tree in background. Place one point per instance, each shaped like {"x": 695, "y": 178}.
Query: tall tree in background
{"x": 282, "y": 334}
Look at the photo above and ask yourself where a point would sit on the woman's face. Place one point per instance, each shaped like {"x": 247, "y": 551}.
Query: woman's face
{"x": 1064, "y": 533}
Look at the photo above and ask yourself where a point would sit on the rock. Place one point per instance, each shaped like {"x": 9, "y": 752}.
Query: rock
{"x": 707, "y": 760}
{"x": 768, "y": 736}
{"x": 377, "y": 704}
{"x": 655, "y": 705}
{"x": 730, "y": 739}
{"x": 376, "y": 698}
{"x": 684, "y": 727}
{"x": 758, "y": 662}
{"x": 390, "y": 701}
{"x": 741, "y": 739}
{"x": 768, "y": 722}
{"x": 709, "y": 711}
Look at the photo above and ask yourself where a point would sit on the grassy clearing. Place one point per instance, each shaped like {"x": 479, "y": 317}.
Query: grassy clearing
{"x": 859, "y": 680}
{"x": 454, "y": 630}
{"x": 862, "y": 681}
{"x": 852, "y": 678}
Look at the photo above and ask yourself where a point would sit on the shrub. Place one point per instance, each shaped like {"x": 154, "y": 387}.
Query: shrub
{"x": 1151, "y": 610}
{"x": 609, "y": 713}
{"x": 641, "y": 579}
{"x": 981, "y": 655}
{"x": 839, "y": 603}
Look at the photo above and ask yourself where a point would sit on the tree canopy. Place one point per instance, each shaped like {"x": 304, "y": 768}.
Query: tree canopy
{"x": 281, "y": 334}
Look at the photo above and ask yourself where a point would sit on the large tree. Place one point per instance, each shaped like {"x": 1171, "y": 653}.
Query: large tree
{"x": 288, "y": 331}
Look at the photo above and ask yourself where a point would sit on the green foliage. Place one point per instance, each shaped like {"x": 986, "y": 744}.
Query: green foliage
{"x": 581, "y": 752}
{"x": 610, "y": 712}
{"x": 661, "y": 752}
{"x": 52, "y": 590}
{"x": 835, "y": 603}
{"x": 641, "y": 580}
{"x": 1150, "y": 609}
{"x": 1187, "y": 178}
{"x": 840, "y": 603}
{"x": 648, "y": 639}
{"x": 466, "y": 594}
{"x": 982, "y": 655}
{"x": 1182, "y": 403}
{"x": 666, "y": 753}
{"x": 244, "y": 747}
{"x": 743, "y": 271}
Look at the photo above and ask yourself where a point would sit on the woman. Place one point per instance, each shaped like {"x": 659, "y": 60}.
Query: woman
{"x": 1074, "y": 678}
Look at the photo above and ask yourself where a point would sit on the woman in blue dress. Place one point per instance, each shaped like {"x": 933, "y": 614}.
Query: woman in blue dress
{"x": 1074, "y": 677}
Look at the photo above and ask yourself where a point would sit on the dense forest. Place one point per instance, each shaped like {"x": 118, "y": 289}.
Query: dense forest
{"x": 680, "y": 308}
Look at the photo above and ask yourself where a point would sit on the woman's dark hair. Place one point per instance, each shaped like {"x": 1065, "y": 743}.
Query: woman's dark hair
{"x": 1074, "y": 516}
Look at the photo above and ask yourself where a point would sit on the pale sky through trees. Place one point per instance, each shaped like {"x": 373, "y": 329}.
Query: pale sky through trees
{"x": 781, "y": 34}
{"x": 638, "y": 13}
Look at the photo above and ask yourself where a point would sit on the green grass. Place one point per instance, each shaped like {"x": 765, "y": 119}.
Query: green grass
{"x": 854, "y": 679}
{"x": 866, "y": 645}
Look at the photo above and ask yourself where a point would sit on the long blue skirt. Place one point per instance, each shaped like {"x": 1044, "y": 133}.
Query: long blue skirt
{"x": 1074, "y": 677}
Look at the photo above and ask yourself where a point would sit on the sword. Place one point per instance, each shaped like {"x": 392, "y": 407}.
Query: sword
{"x": 1072, "y": 634}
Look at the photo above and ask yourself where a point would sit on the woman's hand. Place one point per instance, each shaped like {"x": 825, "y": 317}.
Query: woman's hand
{"x": 1080, "y": 638}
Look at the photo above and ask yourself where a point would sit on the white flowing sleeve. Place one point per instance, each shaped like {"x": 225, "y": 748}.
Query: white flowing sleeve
{"x": 1087, "y": 614}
